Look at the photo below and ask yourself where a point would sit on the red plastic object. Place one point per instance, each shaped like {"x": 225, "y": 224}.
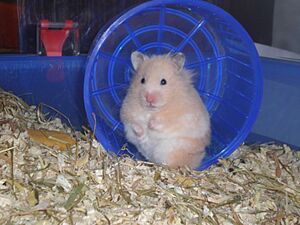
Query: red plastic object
{"x": 54, "y": 39}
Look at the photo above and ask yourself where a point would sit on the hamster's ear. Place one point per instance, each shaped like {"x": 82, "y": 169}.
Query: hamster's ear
{"x": 179, "y": 60}
{"x": 137, "y": 59}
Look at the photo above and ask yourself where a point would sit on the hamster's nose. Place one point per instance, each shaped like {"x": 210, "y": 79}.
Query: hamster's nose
{"x": 150, "y": 98}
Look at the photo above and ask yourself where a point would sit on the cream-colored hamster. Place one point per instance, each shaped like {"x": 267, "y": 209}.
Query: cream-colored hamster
{"x": 163, "y": 115}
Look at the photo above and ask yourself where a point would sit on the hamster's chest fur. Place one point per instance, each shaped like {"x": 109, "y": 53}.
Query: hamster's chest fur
{"x": 154, "y": 144}
{"x": 148, "y": 144}
{"x": 173, "y": 127}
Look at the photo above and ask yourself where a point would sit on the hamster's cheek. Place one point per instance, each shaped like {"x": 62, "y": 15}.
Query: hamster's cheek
{"x": 141, "y": 97}
{"x": 142, "y": 102}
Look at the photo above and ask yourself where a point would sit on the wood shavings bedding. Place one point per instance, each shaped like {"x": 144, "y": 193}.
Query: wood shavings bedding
{"x": 86, "y": 185}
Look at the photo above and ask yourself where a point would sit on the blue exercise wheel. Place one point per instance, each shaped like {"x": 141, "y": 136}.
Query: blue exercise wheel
{"x": 217, "y": 48}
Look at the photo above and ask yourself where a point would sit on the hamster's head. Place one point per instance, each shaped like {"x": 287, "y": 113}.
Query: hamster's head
{"x": 157, "y": 78}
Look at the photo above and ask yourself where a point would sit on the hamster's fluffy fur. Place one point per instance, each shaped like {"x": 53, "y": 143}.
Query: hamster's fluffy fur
{"x": 163, "y": 115}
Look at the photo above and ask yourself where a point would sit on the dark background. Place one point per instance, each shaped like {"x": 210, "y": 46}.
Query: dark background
{"x": 257, "y": 16}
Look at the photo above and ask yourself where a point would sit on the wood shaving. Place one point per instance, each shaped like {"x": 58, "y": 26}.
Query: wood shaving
{"x": 51, "y": 138}
{"x": 84, "y": 184}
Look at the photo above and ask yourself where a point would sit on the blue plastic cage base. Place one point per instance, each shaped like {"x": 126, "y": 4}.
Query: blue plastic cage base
{"x": 54, "y": 81}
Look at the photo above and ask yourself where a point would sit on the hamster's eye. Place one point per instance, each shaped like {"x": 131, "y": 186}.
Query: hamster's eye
{"x": 143, "y": 80}
{"x": 163, "y": 82}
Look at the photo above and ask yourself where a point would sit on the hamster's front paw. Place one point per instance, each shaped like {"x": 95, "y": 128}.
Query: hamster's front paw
{"x": 137, "y": 129}
{"x": 155, "y": 123}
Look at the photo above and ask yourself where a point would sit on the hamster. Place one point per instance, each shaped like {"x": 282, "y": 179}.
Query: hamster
{"x": 162, "y": 113}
